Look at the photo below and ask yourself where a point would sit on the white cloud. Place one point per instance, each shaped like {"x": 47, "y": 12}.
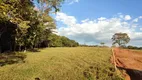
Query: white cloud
{"x": 101, "y": 18}
{"x": 70, "y": 20}
{"x": 98, "y": 30}
{"x": 72, "y": 1}
{"x": 127, "y": 17}
{"x": 134, "y": 25}
{"x": 135, "y": 20}
{"x": 140, "y": 17}
{"x": 121, "y": 16}
{"x": 141, "y": 29}
{"x": 85, "y": 20}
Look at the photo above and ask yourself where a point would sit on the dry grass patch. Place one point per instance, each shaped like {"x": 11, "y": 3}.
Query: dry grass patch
{"x": 80, "y": 63}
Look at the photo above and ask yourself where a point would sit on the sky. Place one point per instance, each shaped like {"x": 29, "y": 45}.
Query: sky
{"x": 94, "y": 21}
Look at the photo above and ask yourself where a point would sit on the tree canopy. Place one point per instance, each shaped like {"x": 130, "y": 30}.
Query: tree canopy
{"x": 102, "y": 43}
{"x": 121, "y": 39}
{"x": 22, "y": 27}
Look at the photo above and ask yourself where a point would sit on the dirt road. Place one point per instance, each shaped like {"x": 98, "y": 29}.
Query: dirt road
{"x": 129, "y": 60}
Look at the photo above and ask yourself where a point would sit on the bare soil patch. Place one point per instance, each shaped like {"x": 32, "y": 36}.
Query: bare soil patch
{"x": 129, "y": 60}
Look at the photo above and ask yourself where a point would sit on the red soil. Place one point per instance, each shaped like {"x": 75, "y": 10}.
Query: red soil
{"x": 129, "y": 60}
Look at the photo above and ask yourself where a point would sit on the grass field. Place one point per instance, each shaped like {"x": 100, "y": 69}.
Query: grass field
{"x": 140, "y": 51}
{"x": 80, "y": 63}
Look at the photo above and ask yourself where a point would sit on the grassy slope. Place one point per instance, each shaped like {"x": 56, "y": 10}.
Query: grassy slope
{"x": 63, "y": 64}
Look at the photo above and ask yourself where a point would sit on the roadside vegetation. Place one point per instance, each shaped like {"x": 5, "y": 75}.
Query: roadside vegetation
{"x": 80, "y": 63}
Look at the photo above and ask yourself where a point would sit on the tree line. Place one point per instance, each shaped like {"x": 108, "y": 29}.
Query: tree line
{"x": 26, "y": 26}
{"x": 134, "y": 47}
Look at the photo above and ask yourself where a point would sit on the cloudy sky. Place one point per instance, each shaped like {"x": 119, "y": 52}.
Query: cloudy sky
{"x": 95, "y": 21}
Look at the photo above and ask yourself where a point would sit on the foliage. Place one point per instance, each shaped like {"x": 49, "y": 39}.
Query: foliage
{"x": 54, "y": 40}
{"x": 134, "y": 47}
{"x": 68, "y": 43}
{"x": 121, "y": 39}
{"x": 45, "y": 6}
{"x": 102, "y": 43}
{"x": 26, "y": 27}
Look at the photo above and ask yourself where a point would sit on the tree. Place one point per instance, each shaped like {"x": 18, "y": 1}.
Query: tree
{"x": 121, "y": 39}
{"x": 45, "y": 6}
{"x": 25, "y": 26}
{"x": 102, "y": 43}
{"x": 60, "y": 41}
{"x": 19, "y": 13}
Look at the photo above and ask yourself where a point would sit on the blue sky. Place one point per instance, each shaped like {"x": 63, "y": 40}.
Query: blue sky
{"x": 95, "y": 21}
{"x": 97, "y": 8}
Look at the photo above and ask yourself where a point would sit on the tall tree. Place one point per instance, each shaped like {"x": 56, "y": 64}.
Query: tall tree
{"x": 28, "y": 26}
{"x": 121, "y": 39}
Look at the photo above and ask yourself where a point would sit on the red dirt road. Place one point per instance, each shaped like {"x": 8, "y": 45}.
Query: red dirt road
{"x": 128, "y": 59}
{"x": 131, "y": 61}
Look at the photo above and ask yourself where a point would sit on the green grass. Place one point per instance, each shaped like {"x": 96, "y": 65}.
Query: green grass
{"x": 80, "y": 63}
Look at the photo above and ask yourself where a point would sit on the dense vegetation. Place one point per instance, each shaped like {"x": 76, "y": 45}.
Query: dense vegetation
{"x": 80, "y": 63}
{"x": 134, "y": 47}
{"x": 26, "y": 26}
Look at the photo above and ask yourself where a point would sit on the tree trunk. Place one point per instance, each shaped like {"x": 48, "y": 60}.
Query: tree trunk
{"x": 10, "y": 46}
{"x": 19, "y": 48}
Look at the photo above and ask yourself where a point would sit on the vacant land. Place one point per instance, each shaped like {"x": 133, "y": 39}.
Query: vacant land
{"x": 80, "y": 63}
{"x": 131, "y": 61}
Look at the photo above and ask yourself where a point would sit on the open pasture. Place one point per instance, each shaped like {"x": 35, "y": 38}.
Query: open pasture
{"x": 79, "y": 63}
